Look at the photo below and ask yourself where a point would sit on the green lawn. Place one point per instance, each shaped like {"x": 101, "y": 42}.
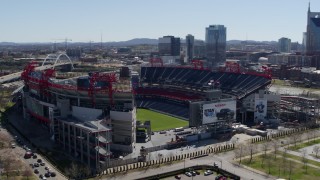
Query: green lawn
{"x": 279, "y": 82}
{"x": 160, "y": 121}
{"x": 316, "y": 163}
{"x": 302, "y": 145}
{"x": 280, "y": 169}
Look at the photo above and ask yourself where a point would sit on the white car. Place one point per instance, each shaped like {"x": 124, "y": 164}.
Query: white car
{"x": 188, "y": 174}
{"x": 208, "y": 172}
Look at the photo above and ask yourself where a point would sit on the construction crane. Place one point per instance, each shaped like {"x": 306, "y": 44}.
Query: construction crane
{"x": 65, "y": 41}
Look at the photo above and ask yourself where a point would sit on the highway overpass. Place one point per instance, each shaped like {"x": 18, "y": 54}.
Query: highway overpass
{"x": 16, "y": 76}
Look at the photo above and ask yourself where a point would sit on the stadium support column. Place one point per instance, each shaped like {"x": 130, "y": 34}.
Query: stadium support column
{"x": 69, "y": 142}
{"x": 63, "y": 135}
{"x": 88, "y": 149}
{"x": 75, "y": 140}
{"x": 26, "y": 115}
{"x": 81, "y": 145}
{"x": 52, "y": 123}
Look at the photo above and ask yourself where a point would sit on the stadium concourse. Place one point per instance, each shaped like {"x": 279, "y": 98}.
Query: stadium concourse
{"x": 175, "y": 90}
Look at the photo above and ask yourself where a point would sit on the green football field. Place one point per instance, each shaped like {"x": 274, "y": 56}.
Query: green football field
{"x": 160, "y": 121}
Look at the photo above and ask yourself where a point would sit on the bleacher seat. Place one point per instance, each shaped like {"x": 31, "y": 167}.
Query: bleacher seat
{"x": 177, "y": 79}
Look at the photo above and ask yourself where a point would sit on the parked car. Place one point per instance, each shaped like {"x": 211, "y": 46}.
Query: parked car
{"x": 36, "y": 171}
{"x": 42, "y": 164}
{"x": 208, "y": 172}
{"x": 13, "y": 145}
{"x": 220, "y": 177}
{"x": 34, "y": 156}
{"x": 27, "y": 155}
{"x": 47, "y": 174}
{"x": 188, "y": 174}
{"x": 163, "y": 132}
{"x": 53, "y": 174}
{"x": 225, "y": 114}
{"x": 39, "y": 160}
{"x": 193, "y": 173}
{"x": 46, "y": 168}
{"x": 177, "y": 176}
{"x": 36, "y": 164}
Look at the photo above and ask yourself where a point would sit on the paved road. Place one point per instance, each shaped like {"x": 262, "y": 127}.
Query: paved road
{"x": 19, "y": 150}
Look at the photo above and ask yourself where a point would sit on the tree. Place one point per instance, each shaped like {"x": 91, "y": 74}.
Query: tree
{"x": 5, "y": 139}
{"x": 314, "y": 134}
{"x": 86, "y": 171}
{"x": 252, "y": 150}
{"x": 27, "y": 173}
{"x": 309, "y": 135}
{"x": 284, "y": 160}
{"x": 275, "y": 146}
{"x": 316, "y": 150}
{"x": 265, "y": 147}
{"x": 269, "y": 164}
{"x": 239, "y": 152}
{"x": 73, "y": 171}
{"x": 304, "y": 159}
{"x": 291, "y": 166}
{"x": 7, "y": 163}
{"x": 295, "y": 138}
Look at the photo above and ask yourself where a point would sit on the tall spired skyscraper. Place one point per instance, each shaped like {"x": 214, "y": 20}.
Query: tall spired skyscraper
{"x": 313, "y": 32}
{"x": 216, "y": 43}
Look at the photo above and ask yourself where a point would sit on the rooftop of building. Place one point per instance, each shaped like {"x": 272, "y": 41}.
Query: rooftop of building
{"x": 91, "y": 126}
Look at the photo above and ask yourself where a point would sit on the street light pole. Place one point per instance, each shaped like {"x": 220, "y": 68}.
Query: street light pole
{"x": 221, "y": 163}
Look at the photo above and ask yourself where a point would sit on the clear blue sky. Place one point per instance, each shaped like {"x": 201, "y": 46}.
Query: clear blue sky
{"x": 118, "y": 20}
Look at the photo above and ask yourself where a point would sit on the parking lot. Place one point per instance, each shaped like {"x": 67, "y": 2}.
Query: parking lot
{"x": 200, "y": 176}
{"x": 36, "y": 162}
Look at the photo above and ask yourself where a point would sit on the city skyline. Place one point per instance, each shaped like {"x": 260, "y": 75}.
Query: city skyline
{"x": 39, "y": 21}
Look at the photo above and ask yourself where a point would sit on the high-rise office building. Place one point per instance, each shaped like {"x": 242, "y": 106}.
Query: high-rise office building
{"x": 304, "y": 41}
{"x": 190, "y": 47}
{"x": 169, "y": 46}
{"x": 199, "y": 49}
{"x": 216, "y": 37}
{"x": 284, "y": 45}
{"x": 313, "y": 32}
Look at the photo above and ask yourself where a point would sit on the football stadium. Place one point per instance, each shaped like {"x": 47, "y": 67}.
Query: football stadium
{"x": 95, "y": 116}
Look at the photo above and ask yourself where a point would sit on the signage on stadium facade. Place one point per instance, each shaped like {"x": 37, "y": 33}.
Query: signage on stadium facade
{"x": 218, "y": 111}
{"x": 260, "y": 109}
